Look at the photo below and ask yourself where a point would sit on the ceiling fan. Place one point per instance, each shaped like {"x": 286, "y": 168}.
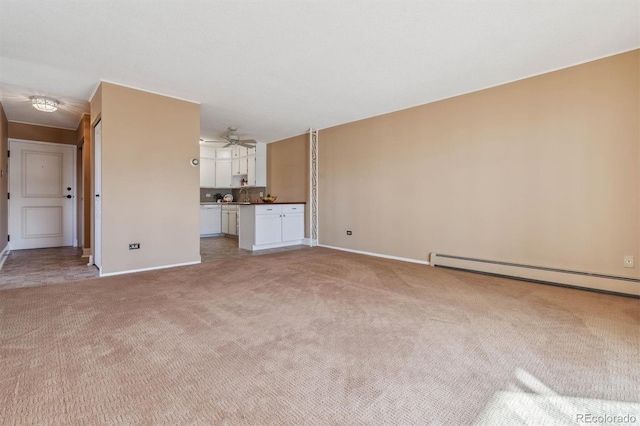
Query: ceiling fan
{"x": 234, "y": 139}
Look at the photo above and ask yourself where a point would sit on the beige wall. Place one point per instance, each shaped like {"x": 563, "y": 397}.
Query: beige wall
{"x": 288, "y": 170}
{"x": 4, "y": 178}
{"x": 543, "y": 171}
{"x": 150, "y": 192}
{"x": 34, "y": 132}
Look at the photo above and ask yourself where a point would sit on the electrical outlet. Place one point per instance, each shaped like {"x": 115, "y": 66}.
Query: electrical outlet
{"x": 134, "y": 246}
{"x": 349, "y": 232}
{"x": 207, "y": 195}
{"x": 261, "y": 194}
{"x": 629, "y": 261}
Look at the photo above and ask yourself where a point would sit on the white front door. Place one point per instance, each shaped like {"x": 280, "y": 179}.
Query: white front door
{"x": 41, "y": 189}
{"x": 97, "y": 206}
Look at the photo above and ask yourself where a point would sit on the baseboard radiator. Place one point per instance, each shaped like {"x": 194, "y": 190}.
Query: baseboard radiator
{"x": 567, "y": 278}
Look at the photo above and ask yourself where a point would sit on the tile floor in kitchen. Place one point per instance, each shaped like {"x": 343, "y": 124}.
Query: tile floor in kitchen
{"x": 28, "y": 268}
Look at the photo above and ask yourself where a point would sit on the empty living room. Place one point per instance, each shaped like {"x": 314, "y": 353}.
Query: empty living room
{"x": 320, "y": 213}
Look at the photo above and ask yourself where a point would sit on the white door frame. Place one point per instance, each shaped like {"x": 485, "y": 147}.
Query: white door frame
{"x": 97, "y": 196}
{"x": 80, "y": 195}
{"x": 74, "y": 192}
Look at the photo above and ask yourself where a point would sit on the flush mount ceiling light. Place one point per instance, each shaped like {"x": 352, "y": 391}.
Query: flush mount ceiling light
{"x": 42, "y": 103}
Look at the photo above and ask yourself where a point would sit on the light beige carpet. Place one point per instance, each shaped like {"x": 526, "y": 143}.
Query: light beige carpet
{"x": 307, "y": 337}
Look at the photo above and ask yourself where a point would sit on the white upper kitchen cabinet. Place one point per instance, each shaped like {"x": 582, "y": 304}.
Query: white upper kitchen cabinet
{"x": 215, "y": 167}
{"x": 239, "y": 166}
{"x": 207, "y": 173}
{"x": 207, "y": 152}
{"x": 223, "y": 153}
{"x": 235, "y": 167}
{"x": 251, "y": 170}
{"x": 223, "y": 174}
{"x": 257, "y": 165}
{"x": 239, "y": 151}
{"x": 207, "y": 167}
{"x": 224, "y": 167}
{"x": 243, "y": 165}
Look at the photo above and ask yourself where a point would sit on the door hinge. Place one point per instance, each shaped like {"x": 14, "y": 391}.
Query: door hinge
{"x": 8, "y": 237}
{"x": 8, "y": 195}
{"x": 8, "y": 153}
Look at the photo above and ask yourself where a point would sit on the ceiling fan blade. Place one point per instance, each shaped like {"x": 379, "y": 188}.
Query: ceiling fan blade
{"x": 227, "y": 145}
{"x": 246, "y": 145}
{"x": 248, "y": 141}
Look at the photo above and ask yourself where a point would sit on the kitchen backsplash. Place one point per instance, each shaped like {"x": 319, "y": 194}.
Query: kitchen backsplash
{"x": 254, "y": 193}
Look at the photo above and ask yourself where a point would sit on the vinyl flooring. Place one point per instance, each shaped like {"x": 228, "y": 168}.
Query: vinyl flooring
{"x": 28, "y": 268}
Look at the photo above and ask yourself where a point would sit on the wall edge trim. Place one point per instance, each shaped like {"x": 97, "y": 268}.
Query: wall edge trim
{"x": 152, "y": 268}
{"x": 504, "y": 83}
{"x": 44, "y": 125}
{"x": 384, "y": 256}
{"x": 153, "y": 92}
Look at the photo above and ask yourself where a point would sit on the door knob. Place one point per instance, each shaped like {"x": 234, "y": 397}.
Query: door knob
{"x": 67, "y": 196}
{"x": 68, "y": 188}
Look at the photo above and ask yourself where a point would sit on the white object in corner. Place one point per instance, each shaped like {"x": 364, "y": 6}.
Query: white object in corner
{"x": 310, "y": 242}
{"x": 3, "y": 255}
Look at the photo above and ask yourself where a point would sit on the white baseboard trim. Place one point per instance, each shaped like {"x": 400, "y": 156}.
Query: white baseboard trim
{"x": 277, "y": 245}
{"x": 90, "y": 260}
{"x": 310, "y": 242}
{"x": 3, "y": 255}
{"x": 368, "y": 253}
{"x": 153, "y": 268}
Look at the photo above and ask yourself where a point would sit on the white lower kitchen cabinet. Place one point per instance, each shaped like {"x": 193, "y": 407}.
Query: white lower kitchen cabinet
{"x": 266, "y": 226}
{"x": 268, "y": 229}
{"x": 230, "y": 220}
{"x": 293, "y": 226}
{"x": 210, "y": 220}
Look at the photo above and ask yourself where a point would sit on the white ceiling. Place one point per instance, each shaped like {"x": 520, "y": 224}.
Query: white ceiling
{"x": 273, "y": 68}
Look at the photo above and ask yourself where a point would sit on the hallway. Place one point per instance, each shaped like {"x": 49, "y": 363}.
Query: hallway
{"x": 28, "y": 268}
